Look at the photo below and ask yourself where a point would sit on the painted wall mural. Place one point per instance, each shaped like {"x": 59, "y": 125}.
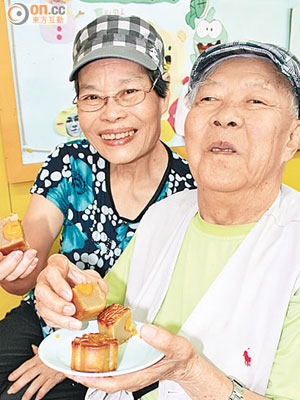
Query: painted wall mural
{"x": 41, "y": 55}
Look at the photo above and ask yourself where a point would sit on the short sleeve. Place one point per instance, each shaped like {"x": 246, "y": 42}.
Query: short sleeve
{"x": 52, "y": 180}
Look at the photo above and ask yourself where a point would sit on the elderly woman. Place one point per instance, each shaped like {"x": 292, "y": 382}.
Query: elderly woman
{"x": 96, "y": 189}
{"x": 223, "y": 298}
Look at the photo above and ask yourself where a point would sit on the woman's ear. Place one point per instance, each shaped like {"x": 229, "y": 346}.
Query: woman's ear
{"x": 165, "y": 101}
{"x": 166, "y": 77}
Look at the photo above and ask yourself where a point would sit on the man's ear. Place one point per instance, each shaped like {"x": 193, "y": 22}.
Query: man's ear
{"x": 293, "y": 142}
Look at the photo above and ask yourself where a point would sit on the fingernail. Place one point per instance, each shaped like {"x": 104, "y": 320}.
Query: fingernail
{"x": 148, "y": 332}
{"x": 11, "y": 390}
{"x": 16, "y": 255}
{"x": 31, "y": 253}
{"x": 34, "y": 347}
{"x": 66, "y": 295}
{"x": 75, "y": 325}
{"x": 34, "y": 262}
{"x": 68, "y": 310}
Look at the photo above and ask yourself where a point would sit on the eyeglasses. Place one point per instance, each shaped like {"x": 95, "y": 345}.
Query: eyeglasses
{"x": 126, "y": 98}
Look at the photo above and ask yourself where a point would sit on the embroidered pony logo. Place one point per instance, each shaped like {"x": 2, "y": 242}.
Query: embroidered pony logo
{"x": 247, "y": 358}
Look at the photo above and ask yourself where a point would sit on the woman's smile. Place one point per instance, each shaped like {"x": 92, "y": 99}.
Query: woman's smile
{"x": 118, "y": 137}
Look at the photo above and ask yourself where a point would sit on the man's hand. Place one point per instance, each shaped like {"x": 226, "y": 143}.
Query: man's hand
{"x": 181, "y": 364}
{"x": 17, "y": 265}
{"x": 54, "y": 294}
{"x": 42, "y": 378}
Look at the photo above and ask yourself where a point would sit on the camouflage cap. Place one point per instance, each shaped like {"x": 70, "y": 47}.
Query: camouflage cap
{"x": 285, "y": 61}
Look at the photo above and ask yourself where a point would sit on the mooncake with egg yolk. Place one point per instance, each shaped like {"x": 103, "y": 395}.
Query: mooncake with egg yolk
{"x": 89, "y": 300}
{"x": 11, "y": 235}
{"x": 115, "y": 322}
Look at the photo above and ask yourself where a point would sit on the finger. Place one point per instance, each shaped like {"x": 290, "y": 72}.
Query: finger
{"x": 31, "y": 268}
{"x": 27, "y": 365}
{"x": 59, "y": 319}
{"x": 78, "y": 276}
{"x": 35, "y": 385}
{"x": 60, "y": 274}
{"x": 10, "y": 263}
{"x": 107, "y": 384}
{"x": 55, "y": 276}
{"x": 173, "y": 346}
{"x": 55, "y": 378}
{"x": 104, "y": 286}
{"x": 43, "y": 384}
{"x": 41, "y": 378}
{"x": 48, "y": 298}
{"x": 46, "y": 387}
{"x": 94, "y": 276}
{"x": 130, "y": 382}
{"x": 27, "y": 259}
{"x": 179, "y": 353}
{"x": 22, "y": 381}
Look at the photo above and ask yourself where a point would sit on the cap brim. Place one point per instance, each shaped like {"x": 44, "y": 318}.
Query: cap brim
{"x": 126, "y": 53}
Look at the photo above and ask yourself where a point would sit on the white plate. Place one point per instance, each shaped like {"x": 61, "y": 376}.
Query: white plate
{"x": 56, "y": 350}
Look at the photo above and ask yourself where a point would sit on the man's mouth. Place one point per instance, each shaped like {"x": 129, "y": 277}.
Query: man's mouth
{"x": 222, "y": 147}
{"x": 118, "y": 135}
{"x": 216, "y": 150}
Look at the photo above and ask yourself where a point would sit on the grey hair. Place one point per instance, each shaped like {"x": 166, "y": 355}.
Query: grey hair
{"x": 293, "y": 98}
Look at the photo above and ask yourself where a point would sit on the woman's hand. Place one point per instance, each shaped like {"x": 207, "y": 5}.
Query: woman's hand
{"x": 54, "y": 294}
{"x": 17, "y": 265}
{"x": 182, "y": 364}
{"x": 42, "y": 378}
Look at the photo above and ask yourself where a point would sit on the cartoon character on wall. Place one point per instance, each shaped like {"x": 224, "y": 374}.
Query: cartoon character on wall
{"x": 197, "y": 9}
{"x": 208, "y": 32}
{"x": 72, "y": 126}
{"x": 175, "y": 60}
{"x": 67, "y": 124}
{"x": 61, "y": 33}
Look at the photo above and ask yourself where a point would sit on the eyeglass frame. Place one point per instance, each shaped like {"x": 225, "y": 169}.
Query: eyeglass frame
{"x": 105, "y": 98}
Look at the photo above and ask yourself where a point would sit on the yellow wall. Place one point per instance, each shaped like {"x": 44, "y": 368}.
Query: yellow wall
{"x": 6, "y": 301}
{"x": 13, "y": 198}
{"x": 291, "y": 174}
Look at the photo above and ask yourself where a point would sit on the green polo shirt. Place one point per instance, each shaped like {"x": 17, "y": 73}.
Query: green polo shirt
{"x": 214, "y": 245}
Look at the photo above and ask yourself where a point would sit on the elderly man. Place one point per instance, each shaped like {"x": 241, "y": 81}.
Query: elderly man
{"x": 215, "y": 271}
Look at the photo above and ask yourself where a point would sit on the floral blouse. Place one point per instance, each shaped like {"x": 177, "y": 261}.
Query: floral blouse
{"x": 77, "y": 180}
